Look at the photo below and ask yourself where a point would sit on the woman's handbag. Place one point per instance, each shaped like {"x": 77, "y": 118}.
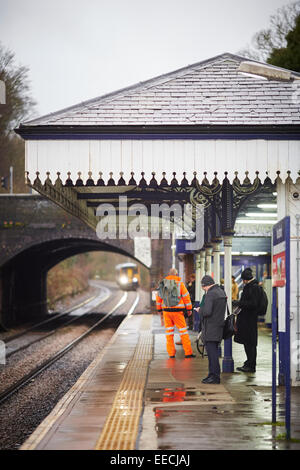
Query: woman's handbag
{"x": 229, "y": 328}
{"x": 199, "y": 344}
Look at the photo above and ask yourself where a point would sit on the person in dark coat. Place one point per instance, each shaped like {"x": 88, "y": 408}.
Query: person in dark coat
{"x": 191, "y": 286}
{"x": 212, "y": 316}
{"x": 190, "y": 318}
{"x": 247, "y": 319}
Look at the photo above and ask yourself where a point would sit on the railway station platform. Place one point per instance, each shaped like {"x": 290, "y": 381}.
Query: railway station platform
{"x": 133, "y": 397}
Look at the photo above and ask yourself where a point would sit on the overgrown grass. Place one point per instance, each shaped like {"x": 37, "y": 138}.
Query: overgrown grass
{"x": 282, "y": 437}
{"x": 270, "y": 423}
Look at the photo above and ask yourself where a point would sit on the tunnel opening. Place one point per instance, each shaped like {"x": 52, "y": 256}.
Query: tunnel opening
{"x": 23, "y": 279}
{"x": 72, "y": 276}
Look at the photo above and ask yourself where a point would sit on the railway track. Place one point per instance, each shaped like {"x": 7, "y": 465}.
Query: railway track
{"x": 79, "y": 311}
{"x": 6, "y": 394}
{"x": 50, "y": 319}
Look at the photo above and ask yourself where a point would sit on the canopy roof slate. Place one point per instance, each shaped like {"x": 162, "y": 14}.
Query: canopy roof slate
{"x": 211, "y": 92}
{"x": 210, "y": 97}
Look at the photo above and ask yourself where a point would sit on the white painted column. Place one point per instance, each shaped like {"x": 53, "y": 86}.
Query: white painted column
{"x": 198, "y": 279}
{"x": 216, "y": 255}
{"x": 208, "y": 255}
{"x": 202, "y": 263}
{"x": 181, "y": 272}
{"x": 228, "y": 268}
{"x": 173, "y": 248}
{"x": 228, "y": 362}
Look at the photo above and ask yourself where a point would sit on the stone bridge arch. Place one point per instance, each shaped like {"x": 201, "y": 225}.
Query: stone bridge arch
{"x": 35, "y": 236}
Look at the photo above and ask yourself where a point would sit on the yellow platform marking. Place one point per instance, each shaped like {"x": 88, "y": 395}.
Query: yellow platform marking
{"x": 52, "y": 420}
{"x": 121, "y": 426}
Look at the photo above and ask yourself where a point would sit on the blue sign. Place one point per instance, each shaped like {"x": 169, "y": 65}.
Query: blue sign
{"x": 281, "y": 278}
{"x": 279, "y": 232}
{"x": 279, "y": 254}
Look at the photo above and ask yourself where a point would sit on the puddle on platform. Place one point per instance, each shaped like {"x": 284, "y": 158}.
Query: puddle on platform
{"x": 168, "y": 420}
{"x": 177, "y": 394}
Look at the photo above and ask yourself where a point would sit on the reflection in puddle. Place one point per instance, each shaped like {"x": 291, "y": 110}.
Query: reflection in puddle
{"x": 177, "y": 394}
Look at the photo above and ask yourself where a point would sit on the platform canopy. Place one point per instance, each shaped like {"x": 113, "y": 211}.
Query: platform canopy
{"x": 225, "y": 117}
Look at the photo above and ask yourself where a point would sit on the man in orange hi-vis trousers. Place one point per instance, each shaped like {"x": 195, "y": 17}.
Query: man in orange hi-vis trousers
{"x": 172, "y": 298}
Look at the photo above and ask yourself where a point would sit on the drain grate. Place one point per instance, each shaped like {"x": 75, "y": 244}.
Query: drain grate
{"x": 121, "y": 426}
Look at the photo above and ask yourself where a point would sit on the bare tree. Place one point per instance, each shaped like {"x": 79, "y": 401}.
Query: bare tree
{"x": 19, "y": 103}
{"x": 19, "y": 106}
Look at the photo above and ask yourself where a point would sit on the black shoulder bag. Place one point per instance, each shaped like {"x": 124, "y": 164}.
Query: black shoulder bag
{"x": 229, "y": 328}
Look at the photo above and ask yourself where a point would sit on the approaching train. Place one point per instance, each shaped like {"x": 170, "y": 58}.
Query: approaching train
{"x": 128, "y": 276}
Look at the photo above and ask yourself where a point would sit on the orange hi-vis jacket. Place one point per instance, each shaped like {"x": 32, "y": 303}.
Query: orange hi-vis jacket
{"x": 184, "y": 301}
{"x": 174, "y": 316}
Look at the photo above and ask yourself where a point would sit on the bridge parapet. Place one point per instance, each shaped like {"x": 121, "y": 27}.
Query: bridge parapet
{"x": 35, "y": 235}
{"x": 28, "y": 220}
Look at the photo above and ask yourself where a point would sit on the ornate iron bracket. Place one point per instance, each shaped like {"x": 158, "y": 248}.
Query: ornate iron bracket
{"x": 221, "y": 201}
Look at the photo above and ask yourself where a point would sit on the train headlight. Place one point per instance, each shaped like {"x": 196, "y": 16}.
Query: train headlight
{"x": 123, "y": 280}
{"x": 135, "y": 279}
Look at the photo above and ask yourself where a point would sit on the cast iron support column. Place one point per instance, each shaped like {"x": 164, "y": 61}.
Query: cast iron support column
{"x": 216, "y": 242}
{"x": 228, "y": 269}
{"x": 200, "y": 271}
{"x": 202, "y": 267}
{"x": 216, "y": 255}
{"x": 227, "y": 232}
{"x": 181, "y": 272}
{"x": 228, "y": 363}
{"x": 208, "y": 255}
{"x": 198, "y": 279}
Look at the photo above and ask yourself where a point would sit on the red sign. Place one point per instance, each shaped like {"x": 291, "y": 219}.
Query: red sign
{"x": 279, "y": 254}
{"x": 278, "y": 269}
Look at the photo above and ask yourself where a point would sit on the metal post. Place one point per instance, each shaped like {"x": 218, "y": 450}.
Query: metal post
{"x": 181, "y": 273}
{"x": 228, "y": 363}
{"x": 202, "y": 265}
{"x": 208, "y": 254}
{"x": 228, "y": 269}
{"x": 11, "y": 181}
{"x": 274, "y": 347}
{"x": 198, "y": 279}
{"x": 173, "y": 247}
{"x": 216, "y": 255}
{"x": 287, "y": 332}
{"x": 298, "y": 295}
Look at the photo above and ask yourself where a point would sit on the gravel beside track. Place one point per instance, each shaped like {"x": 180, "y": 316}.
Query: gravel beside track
{"x": 24, "y": 361}
{"x": 63, "y": 305}
{"x": 24, "y": 411}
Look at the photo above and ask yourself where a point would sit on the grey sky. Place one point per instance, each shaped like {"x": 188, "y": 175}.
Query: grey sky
{"x": 77, "y": 50}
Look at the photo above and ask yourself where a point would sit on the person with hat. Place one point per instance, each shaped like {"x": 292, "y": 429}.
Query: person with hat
{"x": 246, "y": 322}
{"x": 212, "y": 315}
{"x": 173, "y": 289}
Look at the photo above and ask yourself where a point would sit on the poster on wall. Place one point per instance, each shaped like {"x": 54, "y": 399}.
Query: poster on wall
{"x": 280, "y": 271}
{"x": 279, "y": 277}
{"x": 279, "y": 255}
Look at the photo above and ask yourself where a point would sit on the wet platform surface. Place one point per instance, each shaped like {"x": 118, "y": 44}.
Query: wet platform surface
{"x": 134, "y": 397}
